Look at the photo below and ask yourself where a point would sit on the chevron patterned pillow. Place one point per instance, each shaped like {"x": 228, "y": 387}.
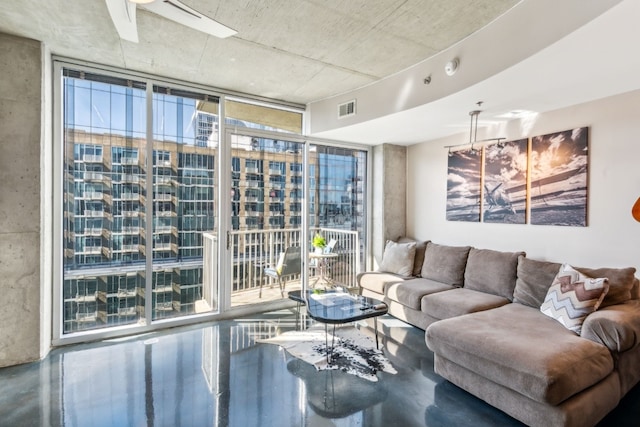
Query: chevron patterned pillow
{"x": 573, "y": 296}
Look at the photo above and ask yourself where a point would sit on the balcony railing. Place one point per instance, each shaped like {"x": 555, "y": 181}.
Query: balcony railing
{"x": 92, "y": 158}
{"x": 93, "y": 176}
{"x": 92, "y": 213}
{"x": 128, "y": 160}
{"x": 253, "y": 250}
{"x": 129, "y": 196}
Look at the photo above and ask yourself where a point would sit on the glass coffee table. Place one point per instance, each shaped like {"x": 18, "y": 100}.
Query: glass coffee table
{"x": 335, "y": 307}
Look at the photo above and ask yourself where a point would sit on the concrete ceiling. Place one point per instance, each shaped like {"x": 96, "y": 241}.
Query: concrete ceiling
{"x": 593, "y": 60}
{"x": 292, "y": 50}
{"x": 310, "y": 51}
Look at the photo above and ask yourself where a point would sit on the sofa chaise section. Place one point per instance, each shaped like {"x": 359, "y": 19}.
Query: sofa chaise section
{"x": 531, "y": 366}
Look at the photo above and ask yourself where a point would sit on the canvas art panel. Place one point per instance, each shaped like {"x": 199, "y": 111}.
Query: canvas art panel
{"x": 505, "y": 182}
{"x": 559, "y": 178}
{"x": 463, "y": 186}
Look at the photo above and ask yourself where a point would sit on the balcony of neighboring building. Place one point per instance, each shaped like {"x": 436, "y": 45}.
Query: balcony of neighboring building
{"x": 91, "y": 158}
{"x": 167, "y": 213}
{"x": 130, "y": 230}
{"x": 128, "y": 178}
{"x": 164, "y": 197}
{"x": 164, "y": 229}
{"x": 89, "y": 250}
{"x": 90, "y": 232}
{"x": 130, "y": 212}
{"x": 93, "y": 176}
{"x": 129, "y": 161}
{"x": 163, "y": 179}
{"x": 91, "y": 195}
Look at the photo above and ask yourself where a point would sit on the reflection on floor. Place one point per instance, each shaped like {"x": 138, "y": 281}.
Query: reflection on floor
{"x": 215, "y": 374}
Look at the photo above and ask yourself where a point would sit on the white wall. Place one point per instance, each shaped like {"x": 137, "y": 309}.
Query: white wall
{"x": 612, "y": 237}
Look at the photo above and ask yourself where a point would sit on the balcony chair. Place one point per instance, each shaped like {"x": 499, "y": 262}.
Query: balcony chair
{"x": 288, "y": 264}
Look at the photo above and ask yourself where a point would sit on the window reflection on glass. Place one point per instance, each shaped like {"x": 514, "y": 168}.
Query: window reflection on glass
{"x": 105, "y": 217}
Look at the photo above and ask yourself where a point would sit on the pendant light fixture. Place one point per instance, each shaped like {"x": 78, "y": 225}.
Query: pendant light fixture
{"x": 473, "y": 133}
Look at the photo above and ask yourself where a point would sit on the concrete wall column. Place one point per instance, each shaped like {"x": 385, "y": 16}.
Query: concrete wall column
{"x": 21, "y": 136}
{"x": 389, "y": 196}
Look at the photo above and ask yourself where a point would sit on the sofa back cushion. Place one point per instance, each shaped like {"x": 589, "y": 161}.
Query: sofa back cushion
{"x": 492, "y": 272}
{"x": 534, "y": 280}
{"x": 398, "y": 258}
{"x": 445, "y": 264}
{"x": 621, "y": 283}
{"x": 421, "y": 247}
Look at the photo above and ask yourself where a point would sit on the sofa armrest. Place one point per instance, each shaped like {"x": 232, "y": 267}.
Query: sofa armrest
{"x": 378, "y": 281}
{"x": 617, "y": 326}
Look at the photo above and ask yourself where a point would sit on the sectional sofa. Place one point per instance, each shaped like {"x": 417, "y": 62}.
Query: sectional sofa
{"x": 497, "y": 329}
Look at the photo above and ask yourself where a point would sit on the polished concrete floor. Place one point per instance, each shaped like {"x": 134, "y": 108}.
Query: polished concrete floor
{"x": 215, "y": 374}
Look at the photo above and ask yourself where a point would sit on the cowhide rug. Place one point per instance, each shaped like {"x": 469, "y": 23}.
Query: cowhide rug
{"x": 353, "y": 352}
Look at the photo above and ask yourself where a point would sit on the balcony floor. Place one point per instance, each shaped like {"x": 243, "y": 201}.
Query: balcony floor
{"x": 216, "y": 374}
{"x": 270, "y": 293}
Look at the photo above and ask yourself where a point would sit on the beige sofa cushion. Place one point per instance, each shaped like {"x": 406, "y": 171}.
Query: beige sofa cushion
{"x": 621, "y": 281}
{"x": 377, "y": 282}
{"x": 519, "y": 348}
{"x": 492, "y": 272}
{"x": 421, "y": 247}
{"x": 398, "y": 258}
{"x": 534, "y": 280}
{"x": 445, "y": 263}
{"x": 459, "y": 301}
{"x": 615, "y": 326}
{"x": 410, "y": 292}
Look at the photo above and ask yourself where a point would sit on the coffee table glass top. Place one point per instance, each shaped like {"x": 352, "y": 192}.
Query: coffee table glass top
{"x": 341, "y": 307}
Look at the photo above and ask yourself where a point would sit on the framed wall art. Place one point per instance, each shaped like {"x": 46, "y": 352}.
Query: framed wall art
{"x": 505, "y": 182}
{"x": 463, "y": 186}
{"x": 559, "y": 181}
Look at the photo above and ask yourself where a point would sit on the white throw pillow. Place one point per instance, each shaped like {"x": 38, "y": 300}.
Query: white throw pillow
{"x": 398, "y": 258}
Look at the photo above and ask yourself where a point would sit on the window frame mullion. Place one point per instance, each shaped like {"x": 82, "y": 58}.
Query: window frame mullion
{"x": 148, "y": 292}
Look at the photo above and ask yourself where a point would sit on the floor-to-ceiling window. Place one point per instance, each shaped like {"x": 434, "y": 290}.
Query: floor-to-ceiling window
{"x": 140, "y": 194}
{"x": 138, "y": 197}
{"x": 104, "y": 121}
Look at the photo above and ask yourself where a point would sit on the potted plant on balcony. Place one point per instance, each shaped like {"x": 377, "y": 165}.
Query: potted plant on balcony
{"x": 319, "y": 242}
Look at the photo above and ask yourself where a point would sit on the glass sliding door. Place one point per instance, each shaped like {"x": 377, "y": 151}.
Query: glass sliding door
{"x": 266, "y": 215}
{"x": 185, "y": 140}
{"x": 138, "y": 203}
{"x": 104, "y": 216}
{"x": 337, "y": 209}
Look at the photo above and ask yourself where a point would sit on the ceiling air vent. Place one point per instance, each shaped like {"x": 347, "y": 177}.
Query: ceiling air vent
{"x": 347, "y": 109}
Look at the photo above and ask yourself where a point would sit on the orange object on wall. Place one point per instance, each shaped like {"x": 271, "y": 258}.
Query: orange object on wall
{"x": 635, "y": 210}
